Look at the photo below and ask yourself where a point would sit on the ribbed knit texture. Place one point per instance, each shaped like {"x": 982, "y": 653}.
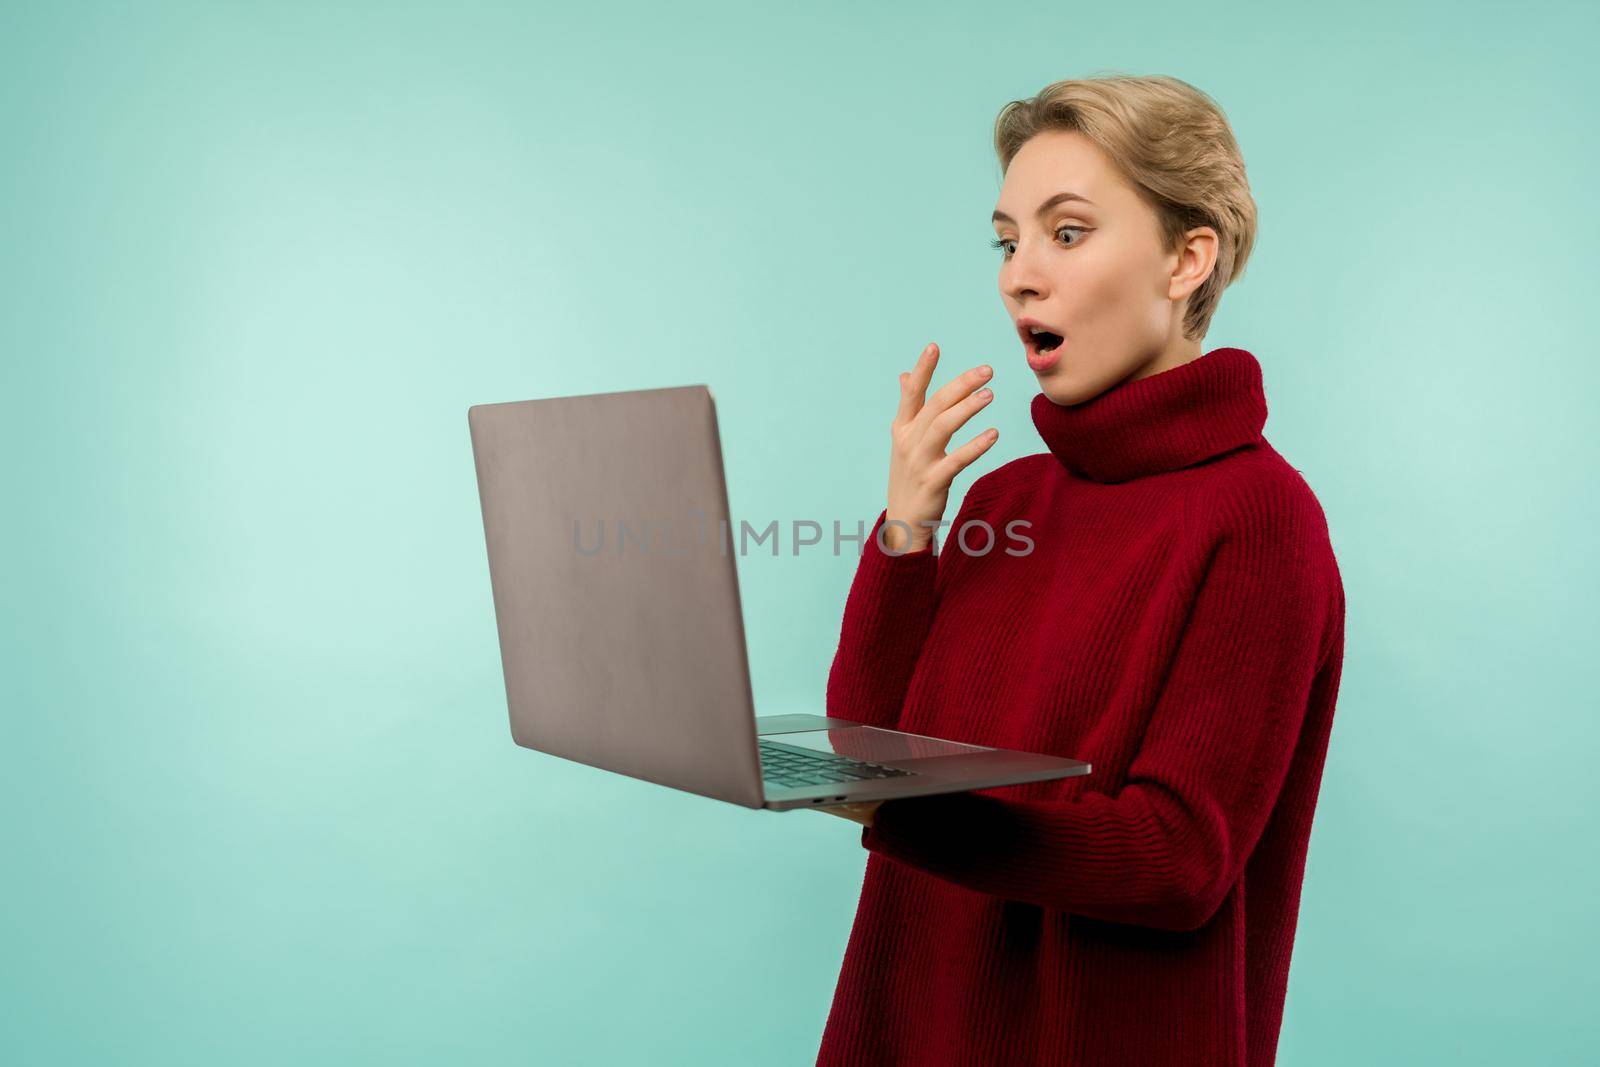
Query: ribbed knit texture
{"x": 1178, "y": 623}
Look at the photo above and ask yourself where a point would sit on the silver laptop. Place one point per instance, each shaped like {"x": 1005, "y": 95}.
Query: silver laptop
{"x": 612, "y": 560}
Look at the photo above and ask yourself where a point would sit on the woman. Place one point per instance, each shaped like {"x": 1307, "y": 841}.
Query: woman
{"x": 1178, "y": 622}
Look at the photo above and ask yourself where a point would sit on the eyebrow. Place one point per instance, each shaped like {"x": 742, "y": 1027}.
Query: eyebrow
{"x": 1001, "y": 216}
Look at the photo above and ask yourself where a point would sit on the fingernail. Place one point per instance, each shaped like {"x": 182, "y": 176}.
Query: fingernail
{"x": 986, "y": 370}
{"x": 985, "y": 393}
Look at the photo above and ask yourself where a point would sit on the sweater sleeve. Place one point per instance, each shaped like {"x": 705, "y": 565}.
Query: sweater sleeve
{"x": 1263, "y": 642}
{"x": 888, "y": 613}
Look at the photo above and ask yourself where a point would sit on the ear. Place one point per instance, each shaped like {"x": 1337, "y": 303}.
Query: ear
{"x": 1197, "y": 258}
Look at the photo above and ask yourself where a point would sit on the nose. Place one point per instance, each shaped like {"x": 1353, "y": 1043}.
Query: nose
{"x": 1021, "y": 278}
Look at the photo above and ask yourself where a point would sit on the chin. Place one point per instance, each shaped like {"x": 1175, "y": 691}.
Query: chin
{"x": 1072, "y": 381}
{"x": 1067, "y": 398}
{"x": 1066, "y": 388}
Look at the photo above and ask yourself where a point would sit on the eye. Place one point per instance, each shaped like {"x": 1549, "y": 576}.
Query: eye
{"x": 998, "y": 243}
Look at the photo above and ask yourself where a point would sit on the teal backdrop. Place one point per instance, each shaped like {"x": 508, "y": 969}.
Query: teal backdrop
{"x": 261, "y": 805}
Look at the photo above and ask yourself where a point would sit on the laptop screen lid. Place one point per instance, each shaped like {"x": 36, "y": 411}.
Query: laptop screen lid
{"x": 615, "y": 593}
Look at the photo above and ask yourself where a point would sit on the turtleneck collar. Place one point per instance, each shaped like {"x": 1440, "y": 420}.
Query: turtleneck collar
{"x": 1174, "y": 419}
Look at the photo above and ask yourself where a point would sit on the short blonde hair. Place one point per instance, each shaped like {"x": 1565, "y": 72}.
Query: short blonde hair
{"x": 1173, "y": 143}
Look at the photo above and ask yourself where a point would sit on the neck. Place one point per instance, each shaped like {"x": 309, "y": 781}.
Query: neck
{"x": 1174, "y": 355}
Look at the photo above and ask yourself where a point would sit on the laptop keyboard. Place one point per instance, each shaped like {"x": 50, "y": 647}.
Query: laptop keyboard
{"x": 791, "y": 765}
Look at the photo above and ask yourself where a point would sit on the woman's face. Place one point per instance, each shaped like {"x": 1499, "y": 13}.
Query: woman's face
{"x": 1092, "y": 269}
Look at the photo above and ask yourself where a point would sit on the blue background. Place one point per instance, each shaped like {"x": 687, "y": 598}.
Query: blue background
{"x": 261, "y": 803}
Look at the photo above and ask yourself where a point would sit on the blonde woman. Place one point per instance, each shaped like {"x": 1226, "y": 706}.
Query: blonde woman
{"x": 1178, "y": 621}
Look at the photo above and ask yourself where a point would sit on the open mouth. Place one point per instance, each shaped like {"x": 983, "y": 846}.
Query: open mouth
{"x": 1039, "y": 339}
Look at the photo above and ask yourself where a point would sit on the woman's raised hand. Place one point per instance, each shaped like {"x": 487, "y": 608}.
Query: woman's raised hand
{"x": 920, "y": 472}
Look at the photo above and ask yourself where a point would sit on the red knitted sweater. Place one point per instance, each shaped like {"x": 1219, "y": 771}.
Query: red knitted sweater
{"x": 1178, "y": 623}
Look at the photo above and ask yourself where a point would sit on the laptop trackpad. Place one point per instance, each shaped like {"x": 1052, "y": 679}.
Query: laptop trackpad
{"x": 875, "y": 745}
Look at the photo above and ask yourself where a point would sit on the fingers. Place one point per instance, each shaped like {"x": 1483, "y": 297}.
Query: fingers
{"x": 946, "y": 423}
{"x": 858, "y": 812}
{"x": 914, "y": 384}
{"x": 957, "y": 388}
{"x": 962, "y": 458}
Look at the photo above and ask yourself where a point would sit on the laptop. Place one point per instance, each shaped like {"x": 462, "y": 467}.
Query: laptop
{"x": 612, "y": 561}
